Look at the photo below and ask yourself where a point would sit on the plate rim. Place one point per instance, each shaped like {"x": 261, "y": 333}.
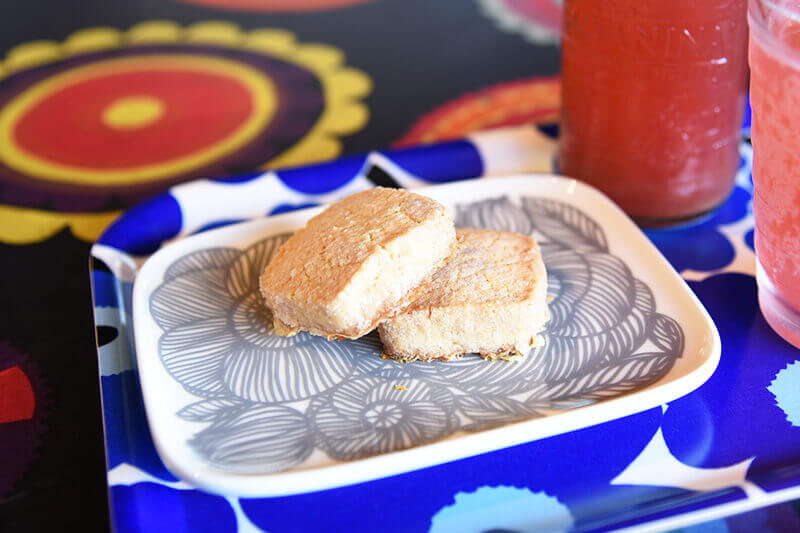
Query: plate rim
{"x": 338, "y": 474}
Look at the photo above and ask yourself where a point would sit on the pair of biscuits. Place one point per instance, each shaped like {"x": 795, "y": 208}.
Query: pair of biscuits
{"x": 391, "y": 259}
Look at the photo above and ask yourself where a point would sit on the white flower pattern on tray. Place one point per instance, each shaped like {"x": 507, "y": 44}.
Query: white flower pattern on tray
{"x": 270, "y": 401}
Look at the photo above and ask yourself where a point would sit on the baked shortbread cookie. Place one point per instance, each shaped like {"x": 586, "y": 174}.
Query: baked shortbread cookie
{"x": 489, "y": 298}
{"x": 356, "y": 263}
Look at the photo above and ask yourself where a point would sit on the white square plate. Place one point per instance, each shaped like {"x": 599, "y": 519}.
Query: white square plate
{"x": 236, "y": 410}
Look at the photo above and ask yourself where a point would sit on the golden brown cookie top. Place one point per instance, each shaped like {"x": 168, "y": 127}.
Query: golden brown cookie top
{"x": 320, "y": 259}
{"x": 490, "y": 266}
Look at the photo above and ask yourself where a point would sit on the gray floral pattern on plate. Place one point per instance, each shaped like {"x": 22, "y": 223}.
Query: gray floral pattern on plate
{"x": 269, "y": 402}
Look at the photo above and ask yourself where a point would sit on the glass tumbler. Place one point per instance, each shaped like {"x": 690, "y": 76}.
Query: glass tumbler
{"x": 775, "y": 99}
{"x": 653, "y": 97}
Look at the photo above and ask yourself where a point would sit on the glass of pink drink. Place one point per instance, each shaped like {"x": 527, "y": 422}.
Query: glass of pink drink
{"x": 775, "y": 99}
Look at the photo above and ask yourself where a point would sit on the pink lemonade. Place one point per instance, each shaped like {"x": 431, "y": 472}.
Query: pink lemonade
{"x": 653, "y": 95}
{"x": 775, "y": 98}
